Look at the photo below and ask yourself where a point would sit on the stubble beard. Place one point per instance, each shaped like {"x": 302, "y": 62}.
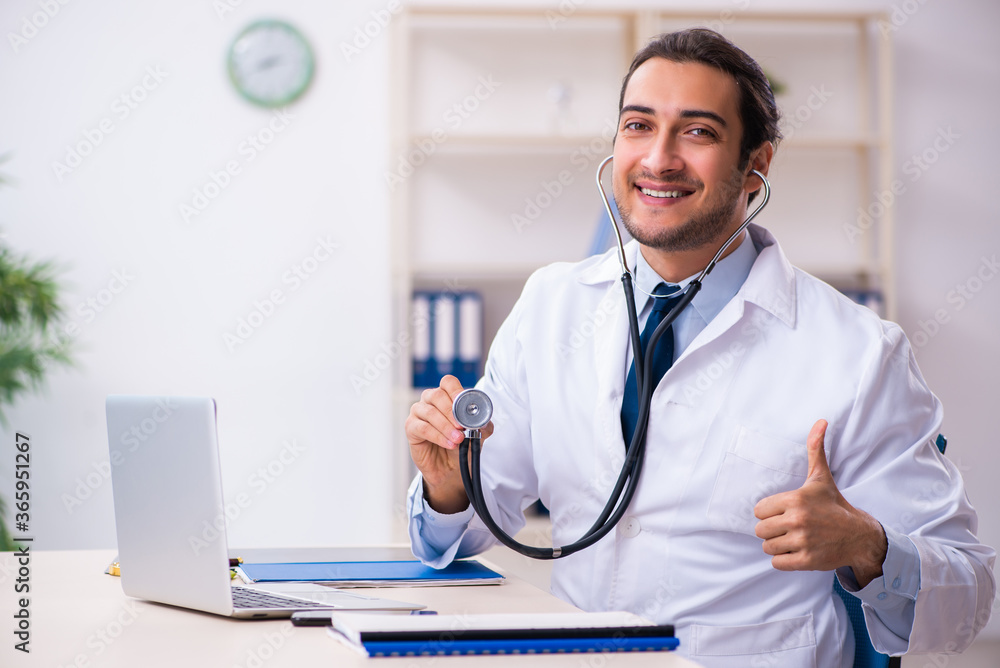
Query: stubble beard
{"x": 702, "y": 228}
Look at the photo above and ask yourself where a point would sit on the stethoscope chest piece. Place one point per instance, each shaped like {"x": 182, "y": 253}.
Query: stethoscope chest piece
{"x": 473, "y": 409}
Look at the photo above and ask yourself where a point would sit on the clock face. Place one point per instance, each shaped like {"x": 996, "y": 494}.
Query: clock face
{"x": 270, "y": 63}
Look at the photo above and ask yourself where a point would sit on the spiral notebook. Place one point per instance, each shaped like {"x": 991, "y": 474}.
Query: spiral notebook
{"x": 505, "y": 633}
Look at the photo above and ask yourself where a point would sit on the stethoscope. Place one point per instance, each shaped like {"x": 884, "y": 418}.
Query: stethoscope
{"x": 473, "y": 409}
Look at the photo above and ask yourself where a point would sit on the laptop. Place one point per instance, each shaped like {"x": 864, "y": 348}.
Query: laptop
{"x": 170, "y": 516}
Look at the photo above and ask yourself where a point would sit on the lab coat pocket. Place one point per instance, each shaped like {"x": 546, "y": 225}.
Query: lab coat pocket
{"x": 784, "y": 642}
{"x": 755, "y": 466}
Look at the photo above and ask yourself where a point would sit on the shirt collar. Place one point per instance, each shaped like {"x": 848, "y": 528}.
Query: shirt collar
{"x": 718, "y": 289}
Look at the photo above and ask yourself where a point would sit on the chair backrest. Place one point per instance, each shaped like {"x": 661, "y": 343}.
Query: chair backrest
{"x": 865, "y": 655}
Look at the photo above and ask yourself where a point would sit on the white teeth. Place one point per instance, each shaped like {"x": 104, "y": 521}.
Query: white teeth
{"x": 661, "y": 193}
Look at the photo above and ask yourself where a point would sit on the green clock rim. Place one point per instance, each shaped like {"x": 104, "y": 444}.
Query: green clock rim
{"x": 296, "y": 34}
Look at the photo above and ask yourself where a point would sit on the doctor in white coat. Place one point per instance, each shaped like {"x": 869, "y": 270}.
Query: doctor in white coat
{"x": 791, "y": 441}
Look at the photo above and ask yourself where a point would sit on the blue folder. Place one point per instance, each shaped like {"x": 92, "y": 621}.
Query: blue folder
{"x": 372, "y": 573}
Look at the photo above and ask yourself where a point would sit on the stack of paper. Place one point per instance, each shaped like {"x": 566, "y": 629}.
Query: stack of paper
{"x": 385, "y": 635}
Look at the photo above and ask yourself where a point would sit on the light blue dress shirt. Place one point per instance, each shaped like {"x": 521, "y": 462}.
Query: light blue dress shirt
{"x": 717, "y": 290}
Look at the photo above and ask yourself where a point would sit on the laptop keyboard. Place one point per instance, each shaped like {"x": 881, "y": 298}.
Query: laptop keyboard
{"x": 244, "y": 597}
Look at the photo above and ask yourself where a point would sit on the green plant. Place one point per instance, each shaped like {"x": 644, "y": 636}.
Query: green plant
{"x": 30, "y": 314}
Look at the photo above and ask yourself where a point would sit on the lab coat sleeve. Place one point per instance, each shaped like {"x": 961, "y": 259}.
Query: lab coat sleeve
{"x": 937, "y": 586}
{"x": 509, "y": 480}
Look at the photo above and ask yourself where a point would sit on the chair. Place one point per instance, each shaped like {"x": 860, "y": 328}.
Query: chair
{"x": 865, "y": 655}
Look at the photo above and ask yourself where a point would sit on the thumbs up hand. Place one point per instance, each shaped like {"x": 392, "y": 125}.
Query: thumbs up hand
{"x": 814, "y": 528}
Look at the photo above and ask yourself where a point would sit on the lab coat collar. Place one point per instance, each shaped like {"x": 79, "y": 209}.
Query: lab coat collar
{"x": 770, "y": 285}
{"x": 607, "y": 268}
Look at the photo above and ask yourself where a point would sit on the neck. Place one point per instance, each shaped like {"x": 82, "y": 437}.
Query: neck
{"x": 675, "y": 266}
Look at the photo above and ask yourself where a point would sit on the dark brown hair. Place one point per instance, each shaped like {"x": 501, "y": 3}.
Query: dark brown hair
{"x": 758, "y": 111}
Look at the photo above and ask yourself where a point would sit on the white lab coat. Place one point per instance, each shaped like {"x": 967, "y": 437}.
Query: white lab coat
{"x": 728, "y": 427}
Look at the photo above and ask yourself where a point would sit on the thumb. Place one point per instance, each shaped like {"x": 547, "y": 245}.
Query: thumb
{"x": 818, "y": 467}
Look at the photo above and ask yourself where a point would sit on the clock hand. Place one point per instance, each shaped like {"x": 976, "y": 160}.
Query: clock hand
{"x": 268, "y": 63}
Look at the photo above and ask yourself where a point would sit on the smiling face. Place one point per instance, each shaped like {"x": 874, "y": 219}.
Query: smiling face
{"x": 676, "y": 157}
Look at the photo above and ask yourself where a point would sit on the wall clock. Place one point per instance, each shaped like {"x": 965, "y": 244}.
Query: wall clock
{"x": 270, "y": 63}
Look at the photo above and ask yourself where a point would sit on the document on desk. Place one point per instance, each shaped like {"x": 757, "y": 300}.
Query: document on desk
{"x": 372, "y": 573}
{"x": 430, "y": 635}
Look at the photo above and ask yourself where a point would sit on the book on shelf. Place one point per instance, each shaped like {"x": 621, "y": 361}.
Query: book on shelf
{"x": 447, "y": 337}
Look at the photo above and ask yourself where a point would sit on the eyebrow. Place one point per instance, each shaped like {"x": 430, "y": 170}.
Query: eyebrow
{"x": 687, "y": 113}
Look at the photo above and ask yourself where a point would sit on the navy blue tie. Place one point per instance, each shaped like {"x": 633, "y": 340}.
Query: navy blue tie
{"x": 662, "y": 359}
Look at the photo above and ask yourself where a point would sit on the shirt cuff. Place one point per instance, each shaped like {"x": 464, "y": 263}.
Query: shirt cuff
{"x": 434, "y": 536}
{"x": 900, "y": 580}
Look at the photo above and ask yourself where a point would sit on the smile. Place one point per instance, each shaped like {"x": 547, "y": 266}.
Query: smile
{"x": 663, "y": 193}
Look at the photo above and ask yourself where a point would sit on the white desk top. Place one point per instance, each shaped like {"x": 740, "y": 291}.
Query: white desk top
{"x": 81, "y": 618}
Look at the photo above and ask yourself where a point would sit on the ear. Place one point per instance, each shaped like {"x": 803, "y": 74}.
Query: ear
{"x": 760, "y": 160}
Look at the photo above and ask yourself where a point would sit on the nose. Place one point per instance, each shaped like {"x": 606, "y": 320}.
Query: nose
{"x": 662, "y": 156}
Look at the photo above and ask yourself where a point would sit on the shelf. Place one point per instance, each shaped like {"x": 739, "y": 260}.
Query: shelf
{"x": 554, "y": 116}
{"x": 501, "y": 144}
{"x": 431, "y": 276}
{"x": 469, "y": 76}
{"x": 431, "y": 14}
{"x": 505, "y": 21}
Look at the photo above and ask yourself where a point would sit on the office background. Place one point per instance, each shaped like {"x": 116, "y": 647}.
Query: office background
{"x": 195, "y": 210}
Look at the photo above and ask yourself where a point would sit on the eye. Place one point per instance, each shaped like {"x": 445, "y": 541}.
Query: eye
{"x": 635, "y": 126}
{"x": 702, "y": 132}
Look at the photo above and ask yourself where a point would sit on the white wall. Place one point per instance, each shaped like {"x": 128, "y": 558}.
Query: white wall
{"x": 187, "y": 283}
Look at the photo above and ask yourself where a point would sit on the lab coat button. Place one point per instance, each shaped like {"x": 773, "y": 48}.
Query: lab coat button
{"x": 896, "y": 583}
{"x": 882, "y": 596}
{"x": 630, "y": 528}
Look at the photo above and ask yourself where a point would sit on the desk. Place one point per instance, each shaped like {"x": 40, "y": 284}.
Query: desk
{"x": 80, "y": 617}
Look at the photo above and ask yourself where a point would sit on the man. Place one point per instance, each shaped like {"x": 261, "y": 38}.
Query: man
{"x": 791, "y": 441}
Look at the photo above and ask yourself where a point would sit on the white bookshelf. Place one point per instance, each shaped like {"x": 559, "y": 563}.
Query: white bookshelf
{"x": 545, "y": 114}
